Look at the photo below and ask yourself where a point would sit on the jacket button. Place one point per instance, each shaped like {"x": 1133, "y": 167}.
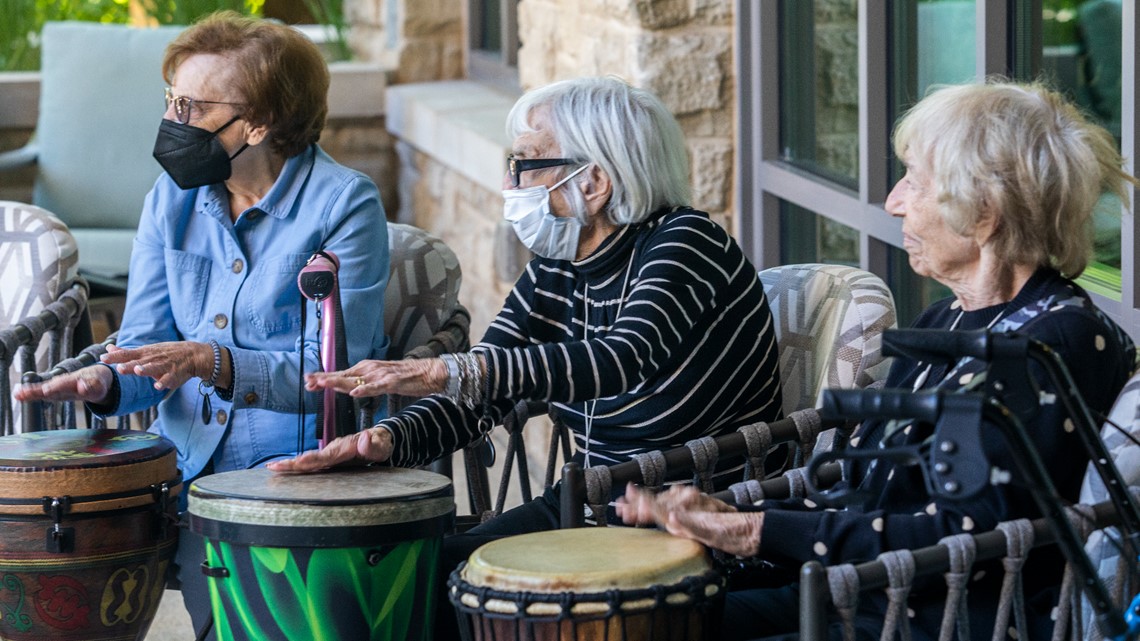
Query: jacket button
{"x": 237, "y": 266}
{"x": 251, "y": 398}
{"x": 221, "y": 417}
{"x": 220, "y": 321}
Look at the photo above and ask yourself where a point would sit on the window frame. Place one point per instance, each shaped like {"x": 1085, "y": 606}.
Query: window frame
{"x": 762, "y": 179}
{"x": 496, "y": 68}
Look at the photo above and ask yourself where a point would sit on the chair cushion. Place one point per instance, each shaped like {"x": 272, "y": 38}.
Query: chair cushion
{"x": 1100, "y": 547}
{"x": 829, "y": 325}
{"x": 100, "y": 105}
{"x": 38, "y": 262}
{"x": 423, "y": 287}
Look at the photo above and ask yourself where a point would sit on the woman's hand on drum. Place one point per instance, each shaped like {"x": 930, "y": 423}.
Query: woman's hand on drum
{"x": 687, "y": 512}
{"x": 90, "y": 385}
{"x": 170, "y": 364}
{"x": 411, "y": 377}
{"x": 643, "y": 507}
{"x": 372, "y": 445}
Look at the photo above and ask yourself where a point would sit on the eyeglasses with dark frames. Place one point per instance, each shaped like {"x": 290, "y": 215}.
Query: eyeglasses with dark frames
{"x": 515, "y": 166}
{"x": 184, "y": 104}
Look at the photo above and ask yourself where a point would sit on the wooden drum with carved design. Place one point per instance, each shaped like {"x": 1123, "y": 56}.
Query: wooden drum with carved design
{"x": 587, "y": 584}
{"x": 87, "y": 530}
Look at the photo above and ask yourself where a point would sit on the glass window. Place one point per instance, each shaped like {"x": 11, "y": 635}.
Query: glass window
{"x": 814, "y": 127}
{"x": 493, "y": 42}
{"x": 806, "y": 237}
{"x": 1081, "y": 55}
{"x": 819, "y": 88}
{"x": 933, "y": 43}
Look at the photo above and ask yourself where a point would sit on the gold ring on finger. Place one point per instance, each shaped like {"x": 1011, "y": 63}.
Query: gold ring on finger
{"x": 359, "y": 381}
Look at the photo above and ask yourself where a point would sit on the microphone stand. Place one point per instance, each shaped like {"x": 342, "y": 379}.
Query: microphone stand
{"x": 318, "y": 282}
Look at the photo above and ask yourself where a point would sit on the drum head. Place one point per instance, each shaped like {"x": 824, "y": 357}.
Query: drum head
{"x": 339, "y": 508}
{"x": 96, "y": 469}
{"x": 585, "y": 560}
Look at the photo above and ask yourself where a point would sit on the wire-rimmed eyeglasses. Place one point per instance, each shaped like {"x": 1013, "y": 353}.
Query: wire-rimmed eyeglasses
{"x": 183, "y": 105}
{"x": 515, "y": 166}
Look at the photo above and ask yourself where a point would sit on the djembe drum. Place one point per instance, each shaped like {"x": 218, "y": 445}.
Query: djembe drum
{"x": 348, "y": 555}
{"x": 588, "y": 584}
{"x": 89, "y": 522}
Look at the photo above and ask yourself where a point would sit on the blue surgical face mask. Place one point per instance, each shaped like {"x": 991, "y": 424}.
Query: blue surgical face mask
{"x": 547, "y": 235}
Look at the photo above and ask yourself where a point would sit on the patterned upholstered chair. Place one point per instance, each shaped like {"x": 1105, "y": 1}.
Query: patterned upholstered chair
{"x": 1102, "y": 546}
{"x": 422, "y": 314}
{"x": 41, "y": 297}
{"x": 829, "y": 325}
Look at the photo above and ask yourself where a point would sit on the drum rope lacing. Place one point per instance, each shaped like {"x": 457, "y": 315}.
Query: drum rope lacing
{"x": 695, "y": 591}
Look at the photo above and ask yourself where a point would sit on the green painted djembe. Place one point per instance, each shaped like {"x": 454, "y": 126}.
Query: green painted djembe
{"x": 89, "y": 528}
{"x": 348, "y": 555}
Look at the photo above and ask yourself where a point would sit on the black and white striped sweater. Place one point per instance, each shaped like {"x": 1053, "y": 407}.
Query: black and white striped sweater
{"x": 666, "y": 325}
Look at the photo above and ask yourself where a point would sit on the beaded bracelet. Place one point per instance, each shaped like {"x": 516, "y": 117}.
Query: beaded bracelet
{"x": 217, "y": 363}
{"x": 206, "y": 386}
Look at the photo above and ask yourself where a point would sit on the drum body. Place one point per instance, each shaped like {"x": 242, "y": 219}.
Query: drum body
{"x": 588, "y": 584}
{"x": 89, "y": 529}
{"x": 345, "y": 555}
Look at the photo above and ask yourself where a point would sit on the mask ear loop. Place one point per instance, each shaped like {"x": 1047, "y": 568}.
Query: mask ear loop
{"x": 568, "y": 177}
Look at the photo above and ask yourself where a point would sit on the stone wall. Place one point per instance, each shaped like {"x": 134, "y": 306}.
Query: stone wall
{"x": 679, "y": 49}
{"x": 466, "y": 216}
{"x": 417, "y": 40}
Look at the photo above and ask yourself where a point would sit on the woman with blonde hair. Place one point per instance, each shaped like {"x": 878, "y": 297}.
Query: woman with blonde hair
{"x": 996, "y": 204}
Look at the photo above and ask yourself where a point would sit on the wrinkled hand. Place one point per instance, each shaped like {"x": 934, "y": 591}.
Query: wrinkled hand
{"x": 90, "y": 385}
{"x": 170, "y": 364}
{"x": 411, "y": 377}
{"x": 733, "y": 532}
{"x": 686, "y": 512}
{"x": 643, "y": 507}
{"x": 370, "y": 445}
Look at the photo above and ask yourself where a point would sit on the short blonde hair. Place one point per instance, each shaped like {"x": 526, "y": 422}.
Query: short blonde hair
{"x": 1022, "y": 152}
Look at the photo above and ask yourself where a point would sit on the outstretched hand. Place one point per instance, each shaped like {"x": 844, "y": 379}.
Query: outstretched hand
{"x": 686, "y": 512}
{"x": 411, "y": 377}
{"x": 89, "y": 385}
{"x": 371, "y": 445}
{"x": 170, "y": 364}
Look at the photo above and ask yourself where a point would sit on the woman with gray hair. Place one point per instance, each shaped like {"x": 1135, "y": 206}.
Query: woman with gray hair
{"x": 639, "y": 319}
{"x": 996, "y": 204}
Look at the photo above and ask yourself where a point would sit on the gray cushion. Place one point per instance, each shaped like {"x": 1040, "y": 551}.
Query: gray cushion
{"x": 1102, "y": 550}
{"x": 829, "y": 325}
{"x": 423, "y": 287}
{"x": 38, "y": 262}
{"x": 100, "y": 105}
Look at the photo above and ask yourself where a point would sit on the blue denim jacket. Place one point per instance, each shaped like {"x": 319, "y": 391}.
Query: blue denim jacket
{"x": 195, "y": 275}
